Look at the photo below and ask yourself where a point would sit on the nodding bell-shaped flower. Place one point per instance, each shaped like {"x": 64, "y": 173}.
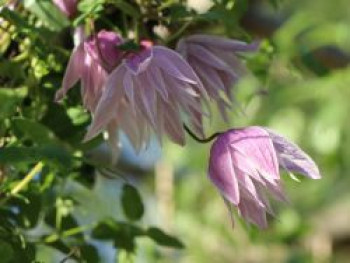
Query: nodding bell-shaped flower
{"x": 154, "y": 85}
{"x": 68, "y": 7}
{"x": 90, "y": 62}
{"x": 215, "y": 61}
{"x": 244, "y": 166}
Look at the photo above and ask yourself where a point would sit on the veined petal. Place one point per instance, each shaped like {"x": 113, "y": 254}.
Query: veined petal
{"x": 176, "y": 66}
{"x": 252, "y": 212}
{"x": 207, "y": 57}
{"x": 256, "y": 145}
{"x": 73, "y": 72}
{"x": 221, "y": 171}
{"x": 105, "y": 110}
{"x": 129, "y": 89}
{"x": 292, "y": 158}
{"x": 157, "y": 81}
{"x": 224, "y": 43}
{"x": 173, "y": 124}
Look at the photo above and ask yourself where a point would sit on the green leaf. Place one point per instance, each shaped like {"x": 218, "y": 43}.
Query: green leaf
{"x": 34, "y": 131}
{"x": 48, "y": 13}
{"x": 127, "y": 8}
{"x": 29, "y": 209}
{"x": 123, "y": 234}
{"x": 6, "y": 252}
{"x": 105, "y": 230}
{"x": 13, "y": 71}
{"x": 163, "y": 239}
{"x": 132, "y": 202}
{"x": 49, "y": 153}
{"x": 91, "y": 7}
{"x": 9, "y": 99}
{"x": 89, "y": 253}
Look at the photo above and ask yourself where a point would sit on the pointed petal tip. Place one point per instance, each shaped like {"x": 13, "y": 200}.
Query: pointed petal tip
{"x": 59, "y": 95}
{"x": 91, "y": 133}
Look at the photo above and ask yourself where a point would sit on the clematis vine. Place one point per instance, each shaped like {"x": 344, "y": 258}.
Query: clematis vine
{"x": 154, "y": 84}
{"x": 215, "y": 61}
{"x": 244, "y": 166}
{"x": 141, "y": 88}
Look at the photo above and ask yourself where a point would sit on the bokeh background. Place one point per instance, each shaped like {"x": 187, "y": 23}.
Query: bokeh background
{"x": 299, "y": 86}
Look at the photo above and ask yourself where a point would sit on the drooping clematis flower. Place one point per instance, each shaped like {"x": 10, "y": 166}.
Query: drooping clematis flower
{"x": 215, "y": 61}
{"x": 244, "y": 166}
{"x": 68, "y": 7}
{"x": 91, "y": 63}
{"x": 157, "y": 85}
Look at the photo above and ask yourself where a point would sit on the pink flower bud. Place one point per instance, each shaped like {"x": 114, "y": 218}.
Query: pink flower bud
{"x": 244, "y": 166}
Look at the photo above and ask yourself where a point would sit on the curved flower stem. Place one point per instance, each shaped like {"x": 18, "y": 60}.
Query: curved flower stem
{"x": 178, "y": 33}
{"x": 205, "y": 140}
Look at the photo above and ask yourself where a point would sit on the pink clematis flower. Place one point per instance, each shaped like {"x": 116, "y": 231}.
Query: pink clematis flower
{"x": 215, "y": 61}
{"x": 68, "y": 7}
{"x": 244, "y": 166}
{"x": 155, "y": 85}
{"x": 90, "y": 64}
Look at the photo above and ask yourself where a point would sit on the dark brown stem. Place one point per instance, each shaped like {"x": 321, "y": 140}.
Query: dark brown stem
{"x": 205, "y": 140}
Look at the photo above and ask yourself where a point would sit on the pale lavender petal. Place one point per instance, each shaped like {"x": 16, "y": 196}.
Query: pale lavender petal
{"x": 275, "y": 188}
{"x": 138, "y": 62}
{"x": 292, "y": 158}
{"x": 173, "y": 125}
{"x": 129, "y": 89}
{"x": 105, "y": 110}
{"x": 148, "y": 97}
{"x": 157, "y": 81}
{"x": 246, "y": 185}
{"x": 221, "y": 171}
{"x": 113, "y": 141}
{"x": 73, "y": 72}
{"x": 224, "y": 43}
{"x": 252, "y": 212}
{"x": 255, "y": 145}
{"x": 207, "y": 57}
{"x": 180, "y": 68}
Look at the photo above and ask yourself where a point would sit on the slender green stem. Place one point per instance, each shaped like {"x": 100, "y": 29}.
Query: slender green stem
{"x": 178, "y": 33}
{"x": 37, "y": 168}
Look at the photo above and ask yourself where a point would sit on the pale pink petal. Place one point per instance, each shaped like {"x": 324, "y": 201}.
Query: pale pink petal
{"x": 224, "y": 43}
{"x": 110, "y": 99}
{"x": 73, "y": 72}
{"x": 255, "y": 144}
{"x": 252, "y": 212}
{"x": 221, "y": 171}
{"x": 157, "y": 81}
{"x": 207, "y": 57}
